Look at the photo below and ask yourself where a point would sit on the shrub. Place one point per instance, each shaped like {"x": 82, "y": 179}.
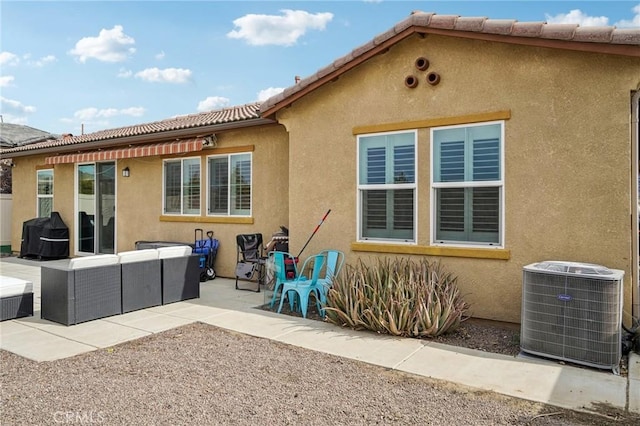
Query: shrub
{"x": 400, "y": 297}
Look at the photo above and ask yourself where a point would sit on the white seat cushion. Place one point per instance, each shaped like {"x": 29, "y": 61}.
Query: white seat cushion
{"x": 93, "y": 261}
{"x": 173, "y": 251}
{"x": 10, "y": 286}
{"x": 138, "y": 255}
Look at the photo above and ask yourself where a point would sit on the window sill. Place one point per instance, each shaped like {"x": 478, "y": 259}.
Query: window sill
{"x": 476, "y": 253}
{"x": 206, "y": 219}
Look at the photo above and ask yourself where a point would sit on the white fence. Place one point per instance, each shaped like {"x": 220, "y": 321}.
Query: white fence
{"x": 6, "y": 201}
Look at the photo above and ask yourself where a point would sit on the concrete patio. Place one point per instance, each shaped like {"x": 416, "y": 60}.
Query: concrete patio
{"x": 222, "y": 306}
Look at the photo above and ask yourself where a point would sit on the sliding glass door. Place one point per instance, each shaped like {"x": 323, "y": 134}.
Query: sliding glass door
{"x": 96, "y": 206}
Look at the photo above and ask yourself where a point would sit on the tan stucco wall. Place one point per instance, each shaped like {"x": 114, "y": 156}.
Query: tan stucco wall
{"x": 139, "y": 197}
{"x": 24, "y": 189}
{"x": 567, "y": 153}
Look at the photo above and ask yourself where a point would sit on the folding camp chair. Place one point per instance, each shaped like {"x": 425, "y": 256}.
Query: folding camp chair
{"x": 250, "y": 262}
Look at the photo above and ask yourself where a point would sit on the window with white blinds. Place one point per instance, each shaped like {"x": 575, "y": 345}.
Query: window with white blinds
{"x": 181, "y": 186}
{"x": 467, "y": 184}
{"x": 229, "y": 189}
{"x": 387, "y": 186}
{"x": 45, "y": 192}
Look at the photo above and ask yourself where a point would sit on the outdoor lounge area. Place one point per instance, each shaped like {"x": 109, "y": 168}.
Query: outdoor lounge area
{"x": 16, "y": 298}
{"x": 88, "y": 288}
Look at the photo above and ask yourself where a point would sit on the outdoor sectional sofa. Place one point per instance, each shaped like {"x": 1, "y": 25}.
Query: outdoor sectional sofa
{"x": 16, "y": 298}
{"x": 94, "y": 287}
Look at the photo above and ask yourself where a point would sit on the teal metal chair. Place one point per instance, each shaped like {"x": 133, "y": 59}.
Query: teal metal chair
{"x": 299, "y": 289}
{"x": 284, "y": 270}
{"x": 335, "y": 260}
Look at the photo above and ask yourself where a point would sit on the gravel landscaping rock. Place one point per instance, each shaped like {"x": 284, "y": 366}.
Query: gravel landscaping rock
{"x": 204, "y": 375}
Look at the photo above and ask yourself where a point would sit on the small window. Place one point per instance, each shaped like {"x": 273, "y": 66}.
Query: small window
{"x": 182, "y": 186}
{"x": 45, "y": 192}
{"x": 467, "y": 184}
{"x": 387, "y": 186}
{"x": 230, "y": 185}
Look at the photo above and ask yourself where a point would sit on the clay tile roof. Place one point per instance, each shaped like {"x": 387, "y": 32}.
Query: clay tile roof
{"x": 470, "y": 24}
{"x": 559, "y": 31}
{"x": 527, "y": 29}
{"x": 609, "y": 40}
{"x": 231, "y": 115}
{"x": 498, "y": 26}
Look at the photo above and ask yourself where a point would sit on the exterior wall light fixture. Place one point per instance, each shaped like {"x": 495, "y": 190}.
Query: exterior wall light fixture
{"x": 125, "y": 172}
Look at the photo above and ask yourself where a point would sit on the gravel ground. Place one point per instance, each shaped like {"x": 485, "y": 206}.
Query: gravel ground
{"x": 204, "y": 375}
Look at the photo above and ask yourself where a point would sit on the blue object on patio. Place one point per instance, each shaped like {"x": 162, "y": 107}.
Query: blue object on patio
{"x": 335, "y": 260}
{"x": 301, "y": 286}
{"x": 285, "y": 269}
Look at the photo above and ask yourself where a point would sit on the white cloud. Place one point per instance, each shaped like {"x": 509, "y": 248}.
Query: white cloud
{"x": 633, "y": 22}
{"x": 160, "y": 55}
{"x": 17, "y": 106}
{"x": 167, "y": 75}
{"x": 125, "y": 73}
{"x": 6, "y": 80}
{"x": 212, "y": 102}
{"x": 576, "y": 16}
{"x": 13, "y": 119}
{"x": 285, "y": 30}
{"x": 265, "y": 94}
{"x": 133, "y": 111}
{"x": 93, "y": 113}
{"x": 8, "y": 58}
{"x": 43, "y": 61}
{"x": 110, "y": 46}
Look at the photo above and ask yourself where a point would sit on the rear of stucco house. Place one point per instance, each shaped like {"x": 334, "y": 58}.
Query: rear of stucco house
{"x": 517, "y": 145}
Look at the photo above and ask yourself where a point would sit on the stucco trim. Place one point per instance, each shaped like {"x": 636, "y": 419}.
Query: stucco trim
{"x": 230, "y": 150}
{"x": 206, "y": 219}
{"x": 44, "y": 167}
{"x": 433, "y": 122}
{"x": 476, "y": 253}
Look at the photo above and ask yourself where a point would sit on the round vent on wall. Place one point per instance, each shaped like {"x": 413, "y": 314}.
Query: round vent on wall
{"x": 433, "y": 78}
{"x": 422, "y": 63}
{"x": 410, "y": 81}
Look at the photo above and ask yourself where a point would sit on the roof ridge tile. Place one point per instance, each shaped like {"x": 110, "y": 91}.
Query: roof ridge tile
{"x": 559, "y": 31}
{"x": 527, "y": 29}
{"x": 474, "y": 24}
{"x": 594, "y": 34}
{"x": 445, "y": 22}
{"x": 499, "y": 26}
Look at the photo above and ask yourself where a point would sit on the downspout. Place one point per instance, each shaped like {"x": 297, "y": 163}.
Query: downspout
{"x": 635, "y": 130}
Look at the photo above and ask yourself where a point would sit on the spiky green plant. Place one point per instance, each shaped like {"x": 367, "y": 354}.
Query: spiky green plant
{"x": 400, "y": 297}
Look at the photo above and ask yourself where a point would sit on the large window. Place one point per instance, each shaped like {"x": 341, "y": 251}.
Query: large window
{"x": 45, "y": 192}
{"x": 229, "y": 189}
{"x": 467, "y": 184}
{"x": 182, "y": 186}
{"x": 387, "y": 186}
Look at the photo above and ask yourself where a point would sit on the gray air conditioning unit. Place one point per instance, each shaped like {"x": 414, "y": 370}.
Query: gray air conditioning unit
{"x": 573, "y": 312}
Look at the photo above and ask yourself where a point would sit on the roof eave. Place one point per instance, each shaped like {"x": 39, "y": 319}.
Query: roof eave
{"x": 581, "y": 46}
{"x": 201, "y": 131}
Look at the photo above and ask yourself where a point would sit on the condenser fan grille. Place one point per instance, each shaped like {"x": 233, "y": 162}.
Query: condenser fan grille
{"x": 573, "y": 318}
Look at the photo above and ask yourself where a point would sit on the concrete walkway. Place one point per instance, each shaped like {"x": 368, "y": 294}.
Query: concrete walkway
{"x": 222, "y": 306}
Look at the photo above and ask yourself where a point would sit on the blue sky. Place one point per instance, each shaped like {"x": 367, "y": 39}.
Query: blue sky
{"x": 66, "y": 66}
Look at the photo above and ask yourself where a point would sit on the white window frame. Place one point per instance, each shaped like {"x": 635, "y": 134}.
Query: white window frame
{"x": 43, "y": 196}
{"x": 182, "y": 195}
{"x": 483, "y": 184}
{"x": 229, "y": 158}
{"x": 362, "y": 187}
